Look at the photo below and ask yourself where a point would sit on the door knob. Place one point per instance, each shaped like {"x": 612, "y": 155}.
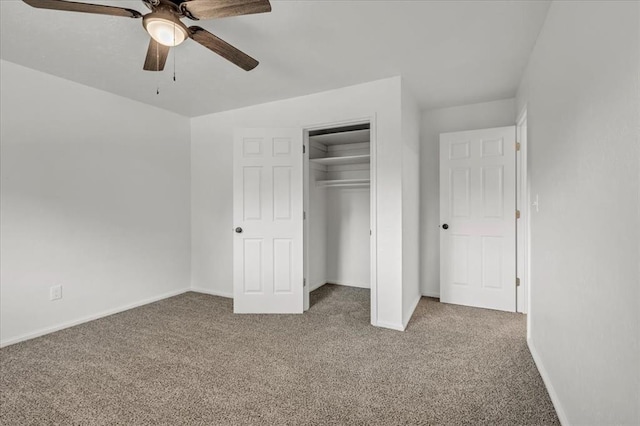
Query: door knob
{"x": 445, "y": 226}
{"x": 238, "y": 230}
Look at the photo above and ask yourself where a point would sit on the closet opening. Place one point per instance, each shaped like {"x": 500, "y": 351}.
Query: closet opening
{"x": 338, "y": 234}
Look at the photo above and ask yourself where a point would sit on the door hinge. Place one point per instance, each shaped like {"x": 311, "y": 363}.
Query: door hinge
{"x": 304, "y": 282}
{"x": 517, "y": 214}
{"x": 304, "y": 149}
{"x": 304, "y": 215}
{"x": 517, "y": 282}
{"x": 517, "y": 146}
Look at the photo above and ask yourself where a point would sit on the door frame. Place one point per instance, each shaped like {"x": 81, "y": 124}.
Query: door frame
{"x": 373, "y": 246}
{"x": 523, "y": 231}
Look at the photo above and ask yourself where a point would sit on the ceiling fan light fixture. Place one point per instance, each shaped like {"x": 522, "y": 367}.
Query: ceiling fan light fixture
{"x": 166, "y": 29}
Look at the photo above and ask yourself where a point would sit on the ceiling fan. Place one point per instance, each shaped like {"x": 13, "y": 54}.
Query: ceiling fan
{"x": 165, "y": 28}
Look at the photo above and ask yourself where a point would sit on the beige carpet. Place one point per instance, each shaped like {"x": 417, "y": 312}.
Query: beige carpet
{"x": 189, "y": 360}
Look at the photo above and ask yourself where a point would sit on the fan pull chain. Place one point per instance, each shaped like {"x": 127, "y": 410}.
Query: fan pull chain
{"x": 174, "y": 53}
{"x": 157, "y": 76}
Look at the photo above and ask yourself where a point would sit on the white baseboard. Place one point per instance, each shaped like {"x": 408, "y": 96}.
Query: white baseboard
{"x": 321, "y": 283}
{"x": 316, "y": 285}
{"x": 62, "y": 326}
{"x": 349, "y": 284}
{"x": 431, "y": 294}
{"x": 212, "y": 292}
{"x": 409, "y": 314}
{"x": 390, "y": 325}
{"x": 547, "y": 382}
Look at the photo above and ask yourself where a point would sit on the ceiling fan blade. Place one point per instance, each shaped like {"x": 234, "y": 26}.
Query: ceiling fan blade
{"x": 222, "y": 48}
{"x": 156, "y": 56}
{"x": 71, "y": 6}
{"x": 209, "y": 9}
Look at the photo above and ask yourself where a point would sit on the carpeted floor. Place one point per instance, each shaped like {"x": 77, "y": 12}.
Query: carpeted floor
{"x": 189, "y": 360}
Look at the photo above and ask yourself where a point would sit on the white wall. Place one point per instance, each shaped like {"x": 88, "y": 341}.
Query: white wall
{"x": 348, "y": 249}
{"x": 468, "y": 117}
{"x": 410, "y": 205}
{"x": 95, "y": 197}
{"x": 212, "y": 195}
{"x": 582, "y": 92}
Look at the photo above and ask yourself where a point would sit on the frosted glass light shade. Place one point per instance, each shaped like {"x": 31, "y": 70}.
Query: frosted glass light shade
{"x": 165, "y": 31}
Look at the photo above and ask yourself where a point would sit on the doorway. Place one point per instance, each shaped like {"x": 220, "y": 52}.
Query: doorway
{"x": 339, "y": 171}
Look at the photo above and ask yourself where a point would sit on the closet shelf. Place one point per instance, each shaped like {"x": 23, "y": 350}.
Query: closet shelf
{"x": 351, "y": 159}
{"x": 343, "y": 182}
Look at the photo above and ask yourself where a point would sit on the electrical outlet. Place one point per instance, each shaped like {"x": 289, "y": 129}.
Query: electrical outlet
{"x": 55, "y": 292}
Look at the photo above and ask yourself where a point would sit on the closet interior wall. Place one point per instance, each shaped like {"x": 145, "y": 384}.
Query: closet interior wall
{"x": 339, "y": 208}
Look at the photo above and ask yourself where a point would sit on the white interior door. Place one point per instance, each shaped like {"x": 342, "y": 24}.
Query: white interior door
{"x": 267, "y": 213}
{"x": 478, "y": 218}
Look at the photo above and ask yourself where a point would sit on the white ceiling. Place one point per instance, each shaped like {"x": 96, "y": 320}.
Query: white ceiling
{"x": 449, "y": 52}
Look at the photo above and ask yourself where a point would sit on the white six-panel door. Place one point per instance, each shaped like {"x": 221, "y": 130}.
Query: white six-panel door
{"x": 478, "y": 208}
{"x": 268, "y": 225}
